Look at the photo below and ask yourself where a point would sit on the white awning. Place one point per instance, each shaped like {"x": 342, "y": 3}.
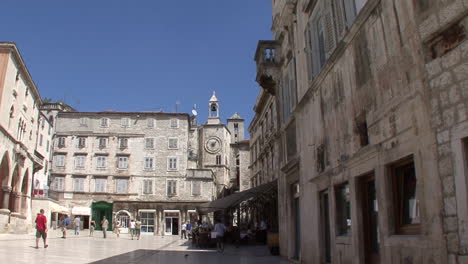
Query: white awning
{"x": 81, "y": 210}
{"x": 56, "y": 208}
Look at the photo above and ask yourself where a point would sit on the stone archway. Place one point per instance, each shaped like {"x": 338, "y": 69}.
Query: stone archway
{"x": 25, "y": 194}
{"x": 4, "y": 175}
{"x": 14, "y": 199}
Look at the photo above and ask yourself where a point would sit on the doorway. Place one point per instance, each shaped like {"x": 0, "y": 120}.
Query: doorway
{"x": 147, "y": 222}
{"x": 171, "y": 223}
{"x": 124, "y": 219}
{"x": 325, "y": 224}
{"x": 296, "y": 216}
{"x": 370, "y": 219}
{"x": 99, "y": 210}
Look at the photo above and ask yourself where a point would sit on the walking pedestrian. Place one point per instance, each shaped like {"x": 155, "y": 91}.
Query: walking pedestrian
{"x": 138, "y": 229}
{"x": 189, "y": 230}
{"x": 76, "y": 223}
{"x": 65, "y": 223}
{"x": 219, "y": 230}
{"x": 132, "y": 228}
{"x": 104, "y": 225}
{"x": 117, "y": 228}
{"x": 183, "y": 233}
{"x": 92, "y": 226}
{"x": 41, "y": 228}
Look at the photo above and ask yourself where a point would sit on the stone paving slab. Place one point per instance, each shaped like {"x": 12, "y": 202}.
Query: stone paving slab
{"x": 149, "y": 249}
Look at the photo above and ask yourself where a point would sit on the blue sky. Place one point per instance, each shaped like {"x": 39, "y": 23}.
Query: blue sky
{"x": 141, "y": 55}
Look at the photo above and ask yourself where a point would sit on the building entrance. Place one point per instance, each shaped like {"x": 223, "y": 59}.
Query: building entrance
{"x": 171, "y": 223}
{"x": 370, "y": 219}
{"x": 99, "y": 210}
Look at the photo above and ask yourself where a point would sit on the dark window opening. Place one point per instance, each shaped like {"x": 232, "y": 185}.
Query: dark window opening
{"x": 363, "y": 133}
{"x": 406, "y": 203}
{"x": 343, "y": 209}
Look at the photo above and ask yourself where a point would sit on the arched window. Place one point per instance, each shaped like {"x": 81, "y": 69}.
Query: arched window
{"x": 51, "y": 120}
{"x": 12, "y": 111}
{"x": 214, "y": 110}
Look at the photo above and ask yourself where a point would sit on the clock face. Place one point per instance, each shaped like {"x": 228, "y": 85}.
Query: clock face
{"x": 213, "y": 145}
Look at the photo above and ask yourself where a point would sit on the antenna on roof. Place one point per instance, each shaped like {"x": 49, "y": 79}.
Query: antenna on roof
{"x": 177, "y": 103}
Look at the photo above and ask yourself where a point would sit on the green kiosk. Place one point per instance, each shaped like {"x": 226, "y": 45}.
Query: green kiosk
{"x": 100, "y": 209}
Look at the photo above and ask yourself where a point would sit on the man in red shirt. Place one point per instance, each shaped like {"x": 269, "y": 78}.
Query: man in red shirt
{"x": 41, "y": 227}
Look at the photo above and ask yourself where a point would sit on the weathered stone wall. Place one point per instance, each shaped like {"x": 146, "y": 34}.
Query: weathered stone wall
{"x": 446, "y": 52}
{"x": 377, "y": 73}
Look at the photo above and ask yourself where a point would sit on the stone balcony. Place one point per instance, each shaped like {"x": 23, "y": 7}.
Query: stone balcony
{"x": 268, "y": 59}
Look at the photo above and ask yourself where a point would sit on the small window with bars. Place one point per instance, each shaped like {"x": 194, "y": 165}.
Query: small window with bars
{"x": 78, "y": 184}
{"x": 104, "y": 122}
{"x": 174, "y": 123}
{"x": 61, "y": 142}
{"x": 147, "y": 186}
{"x": 150, "y": 122}
{"x": 173, "y": 143}
{"x": 101, "y": 162}
{"x": 81, "y": 142}
{"x": 149, "y": 163}
{"x": 125, "y": 122}
{"x": 171, "y": 188}
{"x": 102, "y": 142}
{"x": 149, "y": 143}
{"x": 123, "y": 142}
{"x": 172, "y": 163}
{"x": 123, "y": 163}
{"x": 196, "y": 188}
{"x": 100, "y": 185}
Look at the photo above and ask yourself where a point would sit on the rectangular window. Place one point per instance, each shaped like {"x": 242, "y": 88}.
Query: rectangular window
{"x": 174, "y": 123}
{"x": 41, "y": 138}
{"x": 100, "y": 185}
{"x": 218, "y": 159}
{"x": 123, "y": 142}
{"x": 104, "y": 122}
{"x": 83, "y": 121}
{"x": 121, "y": 185}
{"x": 102, "y": 142}
{"x": 173, "y": 143}
{"x": 123, "y": 163}
{"x": 196, "y": 188}
{"x": 59, "y": 160}
{"x": 80, "y": 161}
{"x": 58, "y": 183}
{"x": 101, "y": 162}
{"x": 343, "y": 209}
{"x": 149, "y": 143}
{"x": 81, "y": 142}
{"x": 78, "y": 184}
{"x": 150, "y": 122}
{"x": 147, "y": 186}
{"x": 406, "y": 203}
{"x": 149, "y": 163}
{"x": 61, "y": 142}
{"x": 236, "y": 128}
{"x": 172, "y": 163}
{"x": 47, "y": 145}
{"x": 171, "y": 188}
{"x": 125, "y": 122}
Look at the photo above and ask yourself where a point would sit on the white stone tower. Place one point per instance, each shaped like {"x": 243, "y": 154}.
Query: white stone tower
{"x": 213, "y": 111}
{"x": 235, "y": 125}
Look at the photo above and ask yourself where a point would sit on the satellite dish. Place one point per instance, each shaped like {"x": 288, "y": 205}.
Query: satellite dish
{"x": 194, "y": 112}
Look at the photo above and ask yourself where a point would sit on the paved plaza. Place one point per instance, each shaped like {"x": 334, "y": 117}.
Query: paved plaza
{"x": 149, "y": 249}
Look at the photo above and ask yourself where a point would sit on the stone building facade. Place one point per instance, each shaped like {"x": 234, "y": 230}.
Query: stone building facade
{"x": 152, "y": 165}
{"x": 264, "y": 141}
{"x": 371, "y": 129}
{"x": 19, "y": 122}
